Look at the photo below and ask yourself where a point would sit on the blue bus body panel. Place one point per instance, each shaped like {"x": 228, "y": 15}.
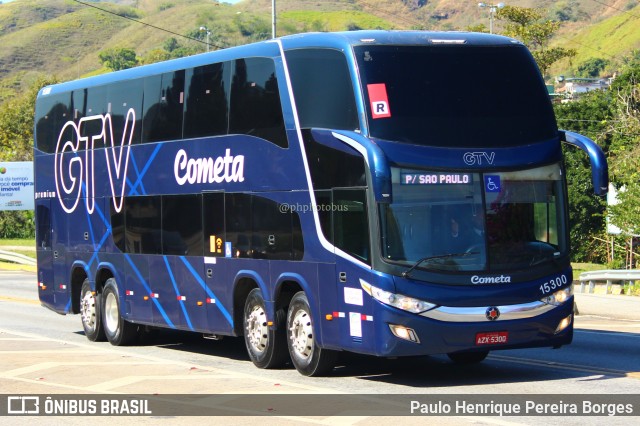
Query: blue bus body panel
{"x": 196, "y": 293}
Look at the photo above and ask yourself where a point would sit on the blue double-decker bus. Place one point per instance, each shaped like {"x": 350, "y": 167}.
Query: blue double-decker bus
{"x": 377, "y": 192}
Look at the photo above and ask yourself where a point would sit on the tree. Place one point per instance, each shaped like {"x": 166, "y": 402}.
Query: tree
{"x": 592, "y": 67}
{"x": 16, "y": 123}
{"x": 625, "y": 149}
{"x": 589, "y": 115}
{"x": 118, "y": 58}
{"x": 16, "y": 144}
{"x": 526, "y": 25}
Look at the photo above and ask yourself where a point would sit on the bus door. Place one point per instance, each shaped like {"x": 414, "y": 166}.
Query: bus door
{"x": 217, "y": 252}
{"x": 44, "y": 251}
{"x": 351, "y": 236}
{"x": 59, "y": 241}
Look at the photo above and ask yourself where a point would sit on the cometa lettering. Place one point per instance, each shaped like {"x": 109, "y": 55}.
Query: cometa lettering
{"x": 226, "y": 168}
{"x": 490, "y": 280}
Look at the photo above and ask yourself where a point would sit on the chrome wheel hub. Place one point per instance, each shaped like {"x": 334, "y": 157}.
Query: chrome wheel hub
{"x": 111, "y": 315}
{"x": 88, "y": 310}
{"x": 257, "y": 329}
{"x": 301, "y": 334}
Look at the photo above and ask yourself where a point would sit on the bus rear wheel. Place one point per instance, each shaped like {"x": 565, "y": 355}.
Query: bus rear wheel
{"x": 90, "y": 313}
{"x": 468, "y": 357}
{"x": 119, "y": 332}
{"x": 308, "y": 358}
{"x": 265, "y": 345}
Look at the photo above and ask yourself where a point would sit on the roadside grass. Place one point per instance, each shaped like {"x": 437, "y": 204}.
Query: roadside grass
{"x": 579, "y": 268}
{"x": 26, "y": 242}
{"x": 13, "y": 244}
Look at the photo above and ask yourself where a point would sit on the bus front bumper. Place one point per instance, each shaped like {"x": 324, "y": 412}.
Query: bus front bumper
{"x": 450, "y": 330}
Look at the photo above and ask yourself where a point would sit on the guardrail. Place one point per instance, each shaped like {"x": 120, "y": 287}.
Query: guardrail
{"x": 610, "y": 276}
{"x": 16, "y": 258}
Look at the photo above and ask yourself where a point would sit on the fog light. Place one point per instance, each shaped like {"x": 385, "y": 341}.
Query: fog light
{"x": 404, "y": 333}
{"x": 566, "y": 322}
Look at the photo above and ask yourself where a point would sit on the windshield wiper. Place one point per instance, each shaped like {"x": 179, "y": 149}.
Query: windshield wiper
{"x": 406, "y": 273}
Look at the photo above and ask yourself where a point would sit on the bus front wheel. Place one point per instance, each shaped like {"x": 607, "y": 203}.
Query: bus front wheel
{"x": 266, "y": 345}
{"x": 90, "y": 313}
{"x": 308, "y": 358}
{"x": 119, "y": 331}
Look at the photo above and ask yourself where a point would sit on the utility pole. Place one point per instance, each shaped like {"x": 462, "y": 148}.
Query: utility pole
{"x": 273, "y": 18}
{"x": 492, "y": 10}
{"x": 208, "y": 33}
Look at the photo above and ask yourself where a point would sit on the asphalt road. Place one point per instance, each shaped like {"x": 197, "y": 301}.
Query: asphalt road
{"x": 46, "y": 353}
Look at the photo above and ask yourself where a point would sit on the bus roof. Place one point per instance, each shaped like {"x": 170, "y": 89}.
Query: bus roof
{"x": 338, "y": 40}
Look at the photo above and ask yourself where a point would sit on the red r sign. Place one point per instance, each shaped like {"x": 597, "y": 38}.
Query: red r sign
{"x": 379, "y": 100}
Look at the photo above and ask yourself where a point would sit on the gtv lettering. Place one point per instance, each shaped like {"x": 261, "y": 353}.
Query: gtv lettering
{"x": 478, "y": 158}
{"x": 73, "y": 170}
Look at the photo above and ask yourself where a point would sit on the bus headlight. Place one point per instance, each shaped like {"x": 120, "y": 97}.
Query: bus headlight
{"x": 399, "y": 301}
{"x": 559, "y": 297}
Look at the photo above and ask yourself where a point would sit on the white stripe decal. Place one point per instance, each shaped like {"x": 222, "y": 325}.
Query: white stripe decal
{"x": 325, "y": 243}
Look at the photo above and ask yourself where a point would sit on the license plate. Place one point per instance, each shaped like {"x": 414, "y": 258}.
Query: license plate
{"x": 493, "y": 338}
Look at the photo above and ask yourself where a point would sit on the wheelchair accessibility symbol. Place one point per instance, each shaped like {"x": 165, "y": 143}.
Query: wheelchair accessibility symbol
{"x": 492, "y": 183}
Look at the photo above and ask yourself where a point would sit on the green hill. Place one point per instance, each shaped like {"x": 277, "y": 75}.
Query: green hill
{"x": 64, "y": 37}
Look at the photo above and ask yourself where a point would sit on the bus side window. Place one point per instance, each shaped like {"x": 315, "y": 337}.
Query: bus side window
{"x": 52, "y": 112}
{"x": 351, "y": 223}
{"x": 207, "y": 101}
{"x": 213, "y": 223}
{"x": 182, "y": 225}
{"x": 163, "y": 107}
{"x": 43, "y": 226}
{"x": 143, "y": 232}
{"x": 322, "y": 89}
{"x": 96, "y": 104}
{"x": 117, "y": 227}
{"x": 238, "y": 216}
{"x": 255, "y": 101}
{"x": 121, "y": 97}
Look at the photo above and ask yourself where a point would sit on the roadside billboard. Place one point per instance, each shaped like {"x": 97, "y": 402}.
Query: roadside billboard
{"x": 16, "y": 185}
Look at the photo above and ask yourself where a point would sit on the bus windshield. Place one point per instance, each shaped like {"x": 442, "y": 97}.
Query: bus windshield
{"x": 455, "y": 95}
{"x": 498, "y": 221}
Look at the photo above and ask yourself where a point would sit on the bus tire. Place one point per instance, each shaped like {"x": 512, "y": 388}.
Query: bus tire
{"x": 91, "y": 313}
{"x": 468, "y": 357}
{"x": 266, "y": 345}
{"x": 308, "y": 358}
{"x": 119, "y": 332}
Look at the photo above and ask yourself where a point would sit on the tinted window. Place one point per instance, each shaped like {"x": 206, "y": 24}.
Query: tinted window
{"x": 322, "y": 89}
{"x": 182, "y": 225}
{"x": 255, "y": 101}
{"x": 271, "y": 238}
{"x": 350, "y": 222}
{"x": 333, "y": 167}
{"x": 257, "y": 228}
{"x": 213, "y": 218}
{"x": 143, "y": 225}
{"x": 344, "y": 220}
{"x": 238, "y": 220}
{"x": 51, "y": 113}
{"x": 96, "y": 104}
{"x": 121, "y": 97}
{"x": 463, "y": 95}
{"x": 323, "y": 201}
{"x": 117, "y": 227}
{"x": 206, "y": 110}
{"x": 163, "y": 100}
{"x": 43, "y": 228}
